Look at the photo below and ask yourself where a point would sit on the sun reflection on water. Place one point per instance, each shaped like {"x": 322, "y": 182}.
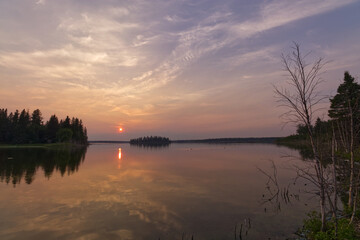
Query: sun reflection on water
{"x": 119, "y": 158}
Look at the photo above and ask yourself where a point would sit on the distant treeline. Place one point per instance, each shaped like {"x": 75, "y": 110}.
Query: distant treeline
{"x": 23, "y": 128}
{"x": 150, "y": 141}
{"x": 230, "y": 140}
{"x": 323, "y": 130}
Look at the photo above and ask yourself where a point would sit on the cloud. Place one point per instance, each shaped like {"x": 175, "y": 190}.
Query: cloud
{"x": 149, "y": 59}
{"x": 219, "y": 31}
{"x": 278, "y": 13}
{"x": 41, "y": 2}
{"x": 118, "y": 11}
{"x": 97, "y": 39}
{"x": 65, "y": 63}
{"x": 174, "y": 19}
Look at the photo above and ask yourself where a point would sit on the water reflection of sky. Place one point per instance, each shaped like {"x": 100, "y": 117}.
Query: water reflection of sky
{"x": 197, "y": 189}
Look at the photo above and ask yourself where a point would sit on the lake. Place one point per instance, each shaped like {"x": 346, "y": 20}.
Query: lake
{"x": 118, "y": 191}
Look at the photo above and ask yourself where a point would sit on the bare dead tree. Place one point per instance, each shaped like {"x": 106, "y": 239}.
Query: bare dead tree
{"x": 349, "y": 134}
{"x": 301, "y": 99}
{"x": 335, "y": 208}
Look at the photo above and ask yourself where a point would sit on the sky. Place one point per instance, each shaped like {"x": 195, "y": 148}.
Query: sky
{"x": 182, "y": 69}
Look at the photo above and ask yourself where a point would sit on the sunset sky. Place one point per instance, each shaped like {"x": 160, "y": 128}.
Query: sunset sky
{"x": 182, "y": 69}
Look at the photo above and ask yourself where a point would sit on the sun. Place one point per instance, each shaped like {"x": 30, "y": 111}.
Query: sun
{"x": 120, "y": 129}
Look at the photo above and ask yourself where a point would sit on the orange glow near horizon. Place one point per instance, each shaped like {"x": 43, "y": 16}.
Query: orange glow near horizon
{"x": 120, "y": 129}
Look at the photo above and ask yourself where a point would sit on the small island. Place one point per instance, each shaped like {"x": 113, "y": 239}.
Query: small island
{"x": 155, "y": 141}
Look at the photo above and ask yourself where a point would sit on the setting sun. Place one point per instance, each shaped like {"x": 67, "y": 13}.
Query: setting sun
{"x": 120, "y": 129}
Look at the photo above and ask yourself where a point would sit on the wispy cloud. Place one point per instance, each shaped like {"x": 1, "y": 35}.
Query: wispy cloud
{"x": 278, "y": 13}
{"x": 149, "y": 59}
{"x": 40, "y": 1}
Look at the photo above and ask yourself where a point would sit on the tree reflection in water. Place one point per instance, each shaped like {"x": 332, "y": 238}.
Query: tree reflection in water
{"x": 16, "y": 164}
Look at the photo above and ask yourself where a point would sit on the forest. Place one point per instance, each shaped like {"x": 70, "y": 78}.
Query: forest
{"x": 24, "y": 128}
{"x": 331, "y": 145}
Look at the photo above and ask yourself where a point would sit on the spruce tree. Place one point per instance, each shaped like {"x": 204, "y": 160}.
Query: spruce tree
{"x": 346, "y": 99}
{"x": 344, "y": 111}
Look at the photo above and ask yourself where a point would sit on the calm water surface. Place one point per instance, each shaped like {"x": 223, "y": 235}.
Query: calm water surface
{"x": 118, "y": 191}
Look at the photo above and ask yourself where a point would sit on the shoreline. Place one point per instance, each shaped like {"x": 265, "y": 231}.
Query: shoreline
{"x": 210, "y": 140}
{"x": 41, "y": 145}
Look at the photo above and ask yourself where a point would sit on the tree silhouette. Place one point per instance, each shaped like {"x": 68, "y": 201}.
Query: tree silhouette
{"x": 150, "y": 141}
{"x": 301, "y": 98}
{"x": 52, "y": 126}
{"x": 345, "y": 112}
{"x": 20, "y": 128}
